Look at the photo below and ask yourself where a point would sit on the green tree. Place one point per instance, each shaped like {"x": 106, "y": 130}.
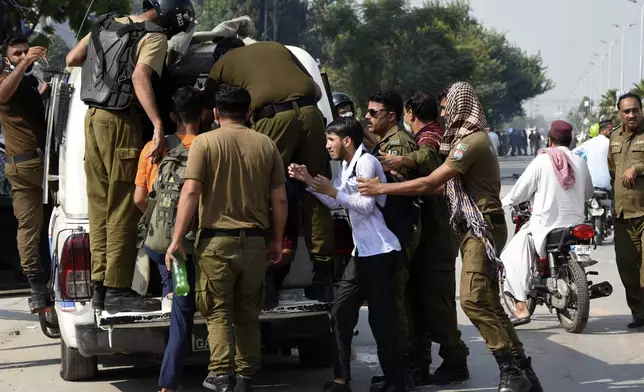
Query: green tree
{"x": 57, "y": 49}
{"x": 608, "y": 106}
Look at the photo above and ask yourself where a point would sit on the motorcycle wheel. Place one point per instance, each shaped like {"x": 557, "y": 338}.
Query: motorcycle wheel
{"x": 575, "y": 317}
{"x": 509, "y": 301}
{"x": 599, "y": 231}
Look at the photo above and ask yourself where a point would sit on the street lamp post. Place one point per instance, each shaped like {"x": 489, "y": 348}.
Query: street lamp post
{"x": 601, "y": 74}
{"x": 624, "y": 28}
{"x": 610, "y": 60}
{"x": 641, "y": 40}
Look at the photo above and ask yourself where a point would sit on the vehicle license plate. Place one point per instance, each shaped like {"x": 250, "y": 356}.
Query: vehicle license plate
{"x": 582, "y": 249}
{"x": 596, "y": 211}
{"x": 200, "y": 339}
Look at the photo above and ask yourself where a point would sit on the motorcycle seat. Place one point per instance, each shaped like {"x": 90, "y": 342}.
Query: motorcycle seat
{"x": 600, "y": 195}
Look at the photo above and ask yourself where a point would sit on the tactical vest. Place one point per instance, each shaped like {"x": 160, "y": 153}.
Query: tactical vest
{"x": 111, "y": 58}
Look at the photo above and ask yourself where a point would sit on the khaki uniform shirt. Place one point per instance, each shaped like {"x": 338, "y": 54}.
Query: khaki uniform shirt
{"x": 152, "y": 48}
{"x": 473, "y": 158}
{"x": 397, "y": 142}
{"x": 437, "y": 233}
{"x": 238, "y": 168}
{"x": 626, "y": 150}
{"x": 268, "y": 70}
{"x": 23, "y": 118}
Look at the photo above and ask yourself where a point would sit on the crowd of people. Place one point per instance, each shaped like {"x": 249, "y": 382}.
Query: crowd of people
{"x": 251, "y": 155}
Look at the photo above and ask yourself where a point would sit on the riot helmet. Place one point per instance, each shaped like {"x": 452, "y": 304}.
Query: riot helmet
{"x": 176, "y": 16}
{"x": 343, "y": 105}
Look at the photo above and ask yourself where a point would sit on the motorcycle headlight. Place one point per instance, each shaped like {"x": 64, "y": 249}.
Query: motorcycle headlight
{"x": 594, "y": 203}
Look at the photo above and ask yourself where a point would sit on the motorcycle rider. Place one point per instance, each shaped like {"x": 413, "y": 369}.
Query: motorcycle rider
{"x": 595, "y": 153}
{"x": 343, "y": 106}
{"x": 113, "y": 138}
{"x": 559, "y": 184}
{"x": 470, "y": 180}
{"x": 22, "y": 115}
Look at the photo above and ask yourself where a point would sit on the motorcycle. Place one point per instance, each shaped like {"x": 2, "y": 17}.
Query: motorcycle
{"x": 559, "y": 280}
{"x": 599, "y": 210}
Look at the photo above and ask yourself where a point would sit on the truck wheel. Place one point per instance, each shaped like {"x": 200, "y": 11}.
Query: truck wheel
{"x": 317, "y": 352}
{"x": 74, "y": 366}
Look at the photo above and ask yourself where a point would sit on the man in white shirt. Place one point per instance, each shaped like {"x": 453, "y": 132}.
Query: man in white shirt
{"x": 371, "y": 274}
{"x": 494, "y": 139}
{"x": 595, "y": 153}
{"x": 558, "y": 184}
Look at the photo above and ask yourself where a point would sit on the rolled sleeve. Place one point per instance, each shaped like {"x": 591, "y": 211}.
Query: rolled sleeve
{"x": 152, "y": 51}
{"x": 197, "y": 160}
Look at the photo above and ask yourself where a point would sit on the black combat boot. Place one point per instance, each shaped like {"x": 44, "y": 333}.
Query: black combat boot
{"x": 98, "y": 295}
{"x": 511, "y": 378}
{"x": 40, "y": 298}
{"x": 450, "y": 374}
{"x": 219, "y": 383}
{"x": 126, "y": 300}
{"x": 333, "y": 386}
{"x": 243, "y": 384}
{"x": 525, "y": 364}
{"x": 321, "y": 289}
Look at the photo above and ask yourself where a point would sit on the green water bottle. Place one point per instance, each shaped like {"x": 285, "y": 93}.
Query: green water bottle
{"x": 179, "y": 275}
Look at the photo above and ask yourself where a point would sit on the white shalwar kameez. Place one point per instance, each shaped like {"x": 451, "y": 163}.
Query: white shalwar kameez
{"x": 552, "y": 207}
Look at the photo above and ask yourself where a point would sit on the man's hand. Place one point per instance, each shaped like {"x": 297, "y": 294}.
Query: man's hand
{"x": 34, "y": 53}
{"x": 391, "y": 162}
{"x": 274, "y": 252}
{"x": 323, "y": 185}
{"x": 158, "y": 141}
{"x": 300, "y": 173}
{"x": 172, "y": 249}
{"x": 44, "y": 89}
{"x": 370, "y": 187}
{"x": 628, "y": 178}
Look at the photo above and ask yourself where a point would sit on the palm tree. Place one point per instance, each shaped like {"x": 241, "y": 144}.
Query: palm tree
{"x": 608, "y": 106}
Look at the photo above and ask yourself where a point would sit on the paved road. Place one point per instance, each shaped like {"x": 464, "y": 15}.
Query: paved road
{"x": 605, "y": 357}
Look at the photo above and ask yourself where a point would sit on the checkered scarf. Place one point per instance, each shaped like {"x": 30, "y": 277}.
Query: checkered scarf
{"x": 464, "y": 116}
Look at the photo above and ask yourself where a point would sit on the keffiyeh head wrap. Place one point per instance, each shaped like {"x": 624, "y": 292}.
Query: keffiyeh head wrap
{"x": 464, "y": 116}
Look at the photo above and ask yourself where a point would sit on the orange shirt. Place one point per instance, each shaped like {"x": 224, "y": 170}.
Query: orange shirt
{"x": 146, "y": 175}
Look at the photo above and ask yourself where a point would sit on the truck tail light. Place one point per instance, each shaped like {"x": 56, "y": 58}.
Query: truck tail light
{"x": 75, "y": 268}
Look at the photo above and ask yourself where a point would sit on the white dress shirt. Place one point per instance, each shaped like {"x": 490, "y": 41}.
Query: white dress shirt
{"x": 494, "y": 140}
{"x": 370, "y": 233}
{"x": 595, "y": 153}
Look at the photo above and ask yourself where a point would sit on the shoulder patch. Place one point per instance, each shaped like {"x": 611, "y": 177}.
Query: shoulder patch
{"x": 639, "y": 141}
{"x": 395, "y": 143}
{"x": 458, "y": 154}
{"x": 462, "y": 147}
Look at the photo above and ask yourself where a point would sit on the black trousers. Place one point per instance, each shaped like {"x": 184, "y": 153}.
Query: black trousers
{"x": 372, "y": 279}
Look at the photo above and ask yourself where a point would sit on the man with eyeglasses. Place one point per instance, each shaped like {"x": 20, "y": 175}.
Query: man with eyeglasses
{"x": 383, "y": 116}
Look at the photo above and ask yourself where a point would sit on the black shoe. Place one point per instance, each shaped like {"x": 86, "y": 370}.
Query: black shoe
{"x": 333, "y": 386}
{"x": 384, "y": 387}
{"x": 525, "y": 364}
{"x": 243, "y": 384}
{"x": 40, "y": 299}
{"x": 126, "y": 300}
{"x": 219, "y": 383}
{"x": 449, "y": 374}
{"x": 511, "y": 379}
{"x": 98, "y": 296}
{"x": 636, "y": 323}
{"x": 379, "y": 379}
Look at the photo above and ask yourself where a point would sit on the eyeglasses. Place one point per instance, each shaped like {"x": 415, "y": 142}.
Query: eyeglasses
{"x": 374, "y": 112}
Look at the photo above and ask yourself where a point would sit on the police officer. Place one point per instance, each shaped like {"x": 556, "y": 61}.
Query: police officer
{"x": 236, "y": 175}
{"x": 470, "y": 179}
{"x": 22, "y": 115}
{"x": 625, "y": 164}
{"x": 113, "y": 140}
{"x": 383, "y": 116}
{"x": 431, "y": 292}
{"x": 284, "y": 107}
{"x": 343, "y": 105}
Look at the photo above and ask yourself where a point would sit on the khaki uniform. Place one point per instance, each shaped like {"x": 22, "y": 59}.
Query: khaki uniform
{"x": 398, "y": 142}
{"x": 626, "y": 151}
{"x": 112, "y": 146}
{"x": 25, "y": 129}
{"x": 475, "y": 161}
{"x": 238, "y": 168}
{"x": 432, "y": 283}
{"x": 272, "y": 75}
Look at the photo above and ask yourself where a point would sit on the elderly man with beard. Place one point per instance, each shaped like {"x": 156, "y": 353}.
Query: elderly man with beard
{"x": 470, "y": 180}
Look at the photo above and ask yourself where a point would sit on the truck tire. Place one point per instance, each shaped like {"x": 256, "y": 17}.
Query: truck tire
{"x": 74, "y": 366}
{"x": 317, "y": 352}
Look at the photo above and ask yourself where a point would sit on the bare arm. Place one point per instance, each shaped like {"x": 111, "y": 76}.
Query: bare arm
{"x": 10, "y": 84}
{"x": 140, "y": 194}
{"x": 280, "y": 212}
{"x": 188, "y": 203}
{"x": 76, "y": 57}
{"x": 142, "y": 81}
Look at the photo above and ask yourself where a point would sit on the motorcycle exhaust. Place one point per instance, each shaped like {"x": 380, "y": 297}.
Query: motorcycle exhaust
{"x": 600, "y": 290}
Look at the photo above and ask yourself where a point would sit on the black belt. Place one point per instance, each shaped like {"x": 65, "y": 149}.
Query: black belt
{"x": 497, "y": 219}
{"x": 210, "y": 233}
{"x": 23, "y": 157}
{"x": 271, "y": 110}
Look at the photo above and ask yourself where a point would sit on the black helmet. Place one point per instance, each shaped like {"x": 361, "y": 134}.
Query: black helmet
{"x": 176, "y": 15}
{"x": 341, "y": 98}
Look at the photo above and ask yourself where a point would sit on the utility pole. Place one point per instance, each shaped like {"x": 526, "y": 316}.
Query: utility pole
{"x": 270, "y": 20}
{"x": 624, "y": 28}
